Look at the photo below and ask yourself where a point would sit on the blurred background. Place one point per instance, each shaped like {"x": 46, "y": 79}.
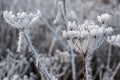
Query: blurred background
{"x": 19, "y": 66}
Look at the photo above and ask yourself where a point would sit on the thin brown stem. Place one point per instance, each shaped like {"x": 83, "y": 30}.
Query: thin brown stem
{"x": 84, "y": 64}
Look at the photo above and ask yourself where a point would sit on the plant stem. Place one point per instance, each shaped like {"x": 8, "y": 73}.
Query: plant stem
{"x": 84, "y": 64}
{"x": 41, "y": 64}
{"x": 30, "y": 45}
{"x": 73, "y": 65}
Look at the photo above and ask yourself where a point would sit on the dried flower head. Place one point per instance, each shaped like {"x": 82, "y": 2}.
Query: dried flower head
{"x": 19, "y": 20}
{"x": 87, "y": 36}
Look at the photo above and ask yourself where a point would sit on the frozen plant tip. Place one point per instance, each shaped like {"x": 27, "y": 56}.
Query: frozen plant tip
{"x": 114, "y": 40}
{"x": 20, "y": 20}
{"x": 104, "y": 18}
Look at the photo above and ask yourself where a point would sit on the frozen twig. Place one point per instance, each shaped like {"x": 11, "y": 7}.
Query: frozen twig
{"x": 53, "y": 43}
{"x": 109, "y": 56}
{"x": 71, "y": 50}
{"x": 73, "y": 65}
{"x": 63, "y": 11}
{"x": 115, "y": 72}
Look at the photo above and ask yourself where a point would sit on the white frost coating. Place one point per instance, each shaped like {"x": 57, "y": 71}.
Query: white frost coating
{"x": 104, "y": 18}
{"x": 86, "y": 38}
{"x": 19, "y": 20}
{"x": 20, "y": 42}
{"x": 71, "y": 34}
{"x": 87, "y": 28}
{"x": 114, "y": 40}
{"x": 88, "y": 66}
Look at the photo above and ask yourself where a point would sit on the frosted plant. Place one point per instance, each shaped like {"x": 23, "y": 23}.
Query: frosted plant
{"x": 85, "y": 39}
{"x": 114, "y": 40}
{"x": 104, "y": 18}
{"x": 22, "y": 21}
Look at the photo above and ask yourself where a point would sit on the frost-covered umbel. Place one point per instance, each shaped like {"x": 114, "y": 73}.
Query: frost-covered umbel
{"x": 85, "y": 39}
{"x": 114, "y": 40}
{"x": 21, "y": 19}
{"x": 87, "y": 36}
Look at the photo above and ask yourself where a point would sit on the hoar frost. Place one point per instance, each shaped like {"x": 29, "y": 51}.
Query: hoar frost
{"x": 20, "y": 20}
{"x": 86, "y": 36}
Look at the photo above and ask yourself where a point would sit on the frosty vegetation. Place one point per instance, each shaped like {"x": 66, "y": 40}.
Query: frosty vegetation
{"x": 22, "y": 20}
{"x": 86, "y": 38}
{"x": 59, "y": 40}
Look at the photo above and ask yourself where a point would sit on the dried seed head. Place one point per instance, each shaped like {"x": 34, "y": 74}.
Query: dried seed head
{"x": 19, "y": 20}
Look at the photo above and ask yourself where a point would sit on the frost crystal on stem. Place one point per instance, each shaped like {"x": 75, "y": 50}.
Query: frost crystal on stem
{"x": 20, "y": 41}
